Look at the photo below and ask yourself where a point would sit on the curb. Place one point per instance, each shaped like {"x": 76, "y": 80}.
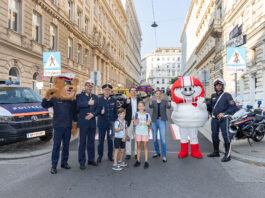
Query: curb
{"x": 11, "y": 156}
{"x": 235, "y": 155}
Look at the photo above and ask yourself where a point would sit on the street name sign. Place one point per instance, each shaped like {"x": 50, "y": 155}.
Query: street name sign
{"x": 237, "y": 41}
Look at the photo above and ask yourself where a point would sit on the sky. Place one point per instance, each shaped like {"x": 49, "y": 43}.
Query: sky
{"x": 169, "y": 15}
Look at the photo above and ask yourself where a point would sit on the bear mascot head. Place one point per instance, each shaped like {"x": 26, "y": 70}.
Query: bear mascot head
{"x": 64, "y": 88}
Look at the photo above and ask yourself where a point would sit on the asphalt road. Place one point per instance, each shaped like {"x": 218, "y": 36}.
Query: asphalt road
{"x": 190, "y": 177}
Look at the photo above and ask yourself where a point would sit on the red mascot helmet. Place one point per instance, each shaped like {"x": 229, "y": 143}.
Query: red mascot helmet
{"x": 187, "y": 89}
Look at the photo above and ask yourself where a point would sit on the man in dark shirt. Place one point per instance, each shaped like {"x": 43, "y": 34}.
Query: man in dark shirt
{"x": 221, "y": 105}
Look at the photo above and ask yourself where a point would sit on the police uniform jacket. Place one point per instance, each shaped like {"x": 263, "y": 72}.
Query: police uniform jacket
{"x": 64, "y": 112}
{"x": 110, "y": 114}
{"x": 83, "y": 109}
{"x": 225, "y": 105}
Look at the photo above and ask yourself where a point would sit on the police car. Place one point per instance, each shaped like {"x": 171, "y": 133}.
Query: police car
{"x": 21, "y": 114}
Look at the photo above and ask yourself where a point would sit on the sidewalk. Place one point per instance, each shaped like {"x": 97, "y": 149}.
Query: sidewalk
{"x": 25, "y": 149}
{"x": 241, "y": 150}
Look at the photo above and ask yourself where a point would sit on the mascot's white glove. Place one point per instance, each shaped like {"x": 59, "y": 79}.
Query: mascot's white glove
{"x": 175, "y": 111}
{"x": 201, "y": 103}
{"x": 174, "y": 106}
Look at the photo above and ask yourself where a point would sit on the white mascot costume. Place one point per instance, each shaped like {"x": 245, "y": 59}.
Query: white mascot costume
{"x": 189, "y": 113}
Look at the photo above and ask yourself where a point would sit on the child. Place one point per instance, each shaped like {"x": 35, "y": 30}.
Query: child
{"x": 141, "y": 121}
{"x": 120, "y": 137}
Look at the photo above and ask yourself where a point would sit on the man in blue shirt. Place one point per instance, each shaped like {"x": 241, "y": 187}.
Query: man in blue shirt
{"x": 106, "y": 118}
{"x": 88, "y": 107}
{"x": 221, "y": 105}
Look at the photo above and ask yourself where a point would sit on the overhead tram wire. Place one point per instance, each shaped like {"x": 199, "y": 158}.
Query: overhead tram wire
{"x": 154, "y": 25}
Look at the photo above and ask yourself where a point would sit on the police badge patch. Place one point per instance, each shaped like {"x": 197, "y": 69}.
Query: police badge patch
{"x": 231, "y": 102}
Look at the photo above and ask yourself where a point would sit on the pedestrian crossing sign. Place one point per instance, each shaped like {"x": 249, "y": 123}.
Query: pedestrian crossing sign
{"x": 52, "y": 63}
{"x": 236, "y": 56}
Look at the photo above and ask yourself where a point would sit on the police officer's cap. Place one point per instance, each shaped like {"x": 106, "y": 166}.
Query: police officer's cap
{"x": 89, "y": 82}
{"x": 107, "y": 86}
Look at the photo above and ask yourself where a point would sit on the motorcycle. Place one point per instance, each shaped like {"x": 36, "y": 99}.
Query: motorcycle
{"x": 248, "y": 124}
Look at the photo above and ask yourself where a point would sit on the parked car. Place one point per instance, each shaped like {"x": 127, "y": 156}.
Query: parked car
{"x": 21, "y": 114}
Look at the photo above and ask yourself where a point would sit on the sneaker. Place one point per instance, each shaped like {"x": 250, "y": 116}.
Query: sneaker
{"x": 116, "y": 167}
{"x": 122, "y": 164}
{"x": 137, "y": 163}
{"x": 146, "y": 165}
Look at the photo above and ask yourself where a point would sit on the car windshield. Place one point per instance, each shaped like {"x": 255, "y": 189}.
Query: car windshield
{"x": 10, "y": 95}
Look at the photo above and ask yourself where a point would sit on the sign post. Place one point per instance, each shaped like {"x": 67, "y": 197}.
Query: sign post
{"x": 204, "y": 77}
{"x": 95, "y": 76}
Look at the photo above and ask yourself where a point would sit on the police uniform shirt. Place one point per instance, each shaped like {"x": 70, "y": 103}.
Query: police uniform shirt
{"x": 225, "y": 104}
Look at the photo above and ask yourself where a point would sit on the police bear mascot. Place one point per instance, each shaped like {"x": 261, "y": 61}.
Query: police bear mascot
{"x": 62, "y": 98}
{"x": 189, "y": 113}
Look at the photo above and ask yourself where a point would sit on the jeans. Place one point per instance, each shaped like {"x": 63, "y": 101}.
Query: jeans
{"x": 161, "y": 125}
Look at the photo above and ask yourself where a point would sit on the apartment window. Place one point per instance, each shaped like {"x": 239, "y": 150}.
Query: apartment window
{"x": 53, "y": 37}
{"x": 86, "y": 58}
{"x": 70, "y": 10}
{"x": 79, "y": 16}
{"x": 254, "y": 55}
{"x": 79, "y": 54}
{"x": 86, "y": 26}
{"x": 173, "y": 73}
{"x": 163, "y": 81}
{"x": 14, "y": 15}
{"x": 14, "y": 74}
{"x": 70, "y": 48}
{"x": 178, "y": 58}
{"x": 36, "y": 27}
{"x": 157, "y": 82}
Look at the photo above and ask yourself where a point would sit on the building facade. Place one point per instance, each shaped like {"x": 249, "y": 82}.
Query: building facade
{"x": 209, "y": 28}
{"x": 159, "y": 67}
{"x": 89, "y": 34}
{"x": 133, "y": 44}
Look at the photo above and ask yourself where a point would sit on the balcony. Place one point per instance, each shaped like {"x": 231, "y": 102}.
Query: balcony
{"x": 215, "y": 27}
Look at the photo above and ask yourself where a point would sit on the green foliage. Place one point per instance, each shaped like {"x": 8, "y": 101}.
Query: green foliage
{"x": 173, "y": 80}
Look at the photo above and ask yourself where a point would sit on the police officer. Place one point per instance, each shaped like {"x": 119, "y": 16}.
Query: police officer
{"x": 221, "y": 105}
{"x": 88, "y": 107}
{"x": 64, "y": 115}
{"x": 106, "y": 118}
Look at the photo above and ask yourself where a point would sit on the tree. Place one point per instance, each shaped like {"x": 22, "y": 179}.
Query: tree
{"x": 173, "y": 80}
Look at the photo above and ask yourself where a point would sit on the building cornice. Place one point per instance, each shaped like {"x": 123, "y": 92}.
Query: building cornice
{"x": 187, "y": 19}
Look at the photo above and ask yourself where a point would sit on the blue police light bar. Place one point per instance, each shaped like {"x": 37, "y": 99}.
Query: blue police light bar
{"x": 9, "y": 82}
{"x": 249, "y": 106}
{"x": 259, "y": 102}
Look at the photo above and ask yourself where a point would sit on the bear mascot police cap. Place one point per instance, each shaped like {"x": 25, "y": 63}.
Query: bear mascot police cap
{"x": 189, "y": 113}
{"x": 64, "y": 88}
